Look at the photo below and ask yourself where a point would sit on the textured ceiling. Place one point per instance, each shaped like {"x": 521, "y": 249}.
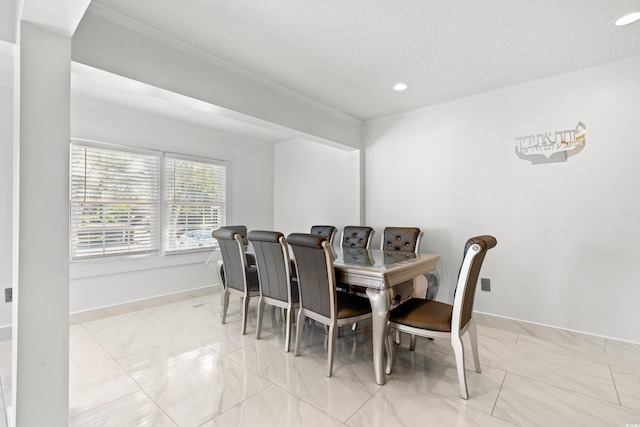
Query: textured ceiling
{"x": 348, "y": 54}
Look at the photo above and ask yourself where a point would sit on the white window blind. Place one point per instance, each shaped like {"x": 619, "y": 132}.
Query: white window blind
{"x": 114, "y": 202}
{"x": 195, "y": 193}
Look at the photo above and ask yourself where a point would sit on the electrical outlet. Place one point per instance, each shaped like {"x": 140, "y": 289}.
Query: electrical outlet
{"x": 485, "y": 284}
{"x": 8, "y": 294}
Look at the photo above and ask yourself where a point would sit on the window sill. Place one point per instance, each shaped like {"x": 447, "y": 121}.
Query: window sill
{"x": 125, "y": 264}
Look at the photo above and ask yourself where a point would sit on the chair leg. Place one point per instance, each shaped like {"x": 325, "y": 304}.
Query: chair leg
{"x": 289, "y": 324}
{"x": 412, "y": 345}
{"x": 390, "y": 352}
{"x": 299, "y": 327}
{"x": 458, "y": 349}
{"x": 225, "y": 305}
{"x": 473, "y": 335}
{"x": 398, "y": 338}
{"x": 245, "y": 313}
{"x": 333, "y": 329}
{"x": 260, "y": 314}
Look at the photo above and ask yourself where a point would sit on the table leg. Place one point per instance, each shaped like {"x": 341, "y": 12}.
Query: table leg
{"x": 380, "y": 305}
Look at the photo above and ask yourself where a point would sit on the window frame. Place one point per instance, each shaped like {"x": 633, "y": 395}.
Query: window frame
{"x": 159, "y": 248}
{"x": 195, "y": 159}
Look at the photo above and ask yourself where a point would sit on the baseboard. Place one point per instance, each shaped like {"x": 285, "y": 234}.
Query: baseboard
{"x": 6, "y": 331}
{"x": 508, "y": 323}
{"x": 138, "y": 305}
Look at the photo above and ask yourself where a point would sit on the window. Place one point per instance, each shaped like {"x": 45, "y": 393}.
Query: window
{"x": 116, "y": 198}
{"x": 194, "y": 202}
{"x": 114, "y": 202}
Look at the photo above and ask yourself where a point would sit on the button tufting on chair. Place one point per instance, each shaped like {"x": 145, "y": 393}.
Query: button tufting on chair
{"x": 357, "y": 237}
{"x": 326, "y": 231}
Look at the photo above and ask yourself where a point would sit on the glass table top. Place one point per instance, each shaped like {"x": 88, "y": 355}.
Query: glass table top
{"x": 371, "y": 258}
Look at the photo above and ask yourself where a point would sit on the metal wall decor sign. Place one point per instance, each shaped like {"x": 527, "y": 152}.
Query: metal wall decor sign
{"x": 551, "y": 147}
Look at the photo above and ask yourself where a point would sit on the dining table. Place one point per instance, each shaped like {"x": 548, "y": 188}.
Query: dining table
{"x": 387, "y": 278}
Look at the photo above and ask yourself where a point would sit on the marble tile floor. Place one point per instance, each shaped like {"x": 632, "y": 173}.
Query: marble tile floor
{"x": 176, "y": 365}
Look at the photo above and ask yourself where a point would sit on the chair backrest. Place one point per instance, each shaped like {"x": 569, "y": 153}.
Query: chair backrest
{"x": 240, "y": 229}
{"x": 401, "y": 239}
{"x": 326, "y": 231}
{"x": 356, "y": 237}
{"x": 474, "y": 252}
{"x": 233, "y": 257}
{"x": 272, "y": 258}
{"x": 316, "y": 276}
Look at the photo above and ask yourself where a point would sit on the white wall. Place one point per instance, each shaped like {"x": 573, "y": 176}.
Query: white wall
{"x": 314, "y": 184}
{"x": 6, "y": 208}
{"x": 7, "y": 20}
{"x": 106, "y": 282}
{"x": 567, "y": 232}
{"x": 6, "y": 180}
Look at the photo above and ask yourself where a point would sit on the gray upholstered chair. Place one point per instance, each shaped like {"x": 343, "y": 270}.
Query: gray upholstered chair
{"x": 407, "y": 239}
{"x": 434, "y": 319}
{"x": 242, "y": 230}
{"x": 326, "y": 231}
{"x": 401, "y": 239}
{"x": 240, "y": 278}
{"x": 356, "y": 237}
{"x": 277, "y": 287}
{"x": 318, "y": 297}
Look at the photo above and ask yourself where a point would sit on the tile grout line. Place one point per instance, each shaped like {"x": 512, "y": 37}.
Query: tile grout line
{"x": 615, "y": 387}
{"x": 140, "y": 388}
{"x": 123, "y": 371}
{"x": 499, "y": 391}
{"x": 367, "y": 401}
{"x": 496, "y": 402}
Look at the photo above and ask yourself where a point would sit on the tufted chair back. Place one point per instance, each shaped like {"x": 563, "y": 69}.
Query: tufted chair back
{"x": 326, "y": 231}
{"x": 401, "y": 239}
{"x": 357, "y": 237}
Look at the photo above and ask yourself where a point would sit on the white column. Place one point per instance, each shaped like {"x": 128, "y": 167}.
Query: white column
{"x": 41, "y": 297}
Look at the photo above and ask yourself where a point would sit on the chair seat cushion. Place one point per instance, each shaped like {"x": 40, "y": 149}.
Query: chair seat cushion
{"x": 423, "y": 314}
{"x": 351, "y": 305}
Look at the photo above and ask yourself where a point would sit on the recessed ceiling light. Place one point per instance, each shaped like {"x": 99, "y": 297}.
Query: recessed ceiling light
{"x": 627, "y": 19}
{"x": 400, "y": 86}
